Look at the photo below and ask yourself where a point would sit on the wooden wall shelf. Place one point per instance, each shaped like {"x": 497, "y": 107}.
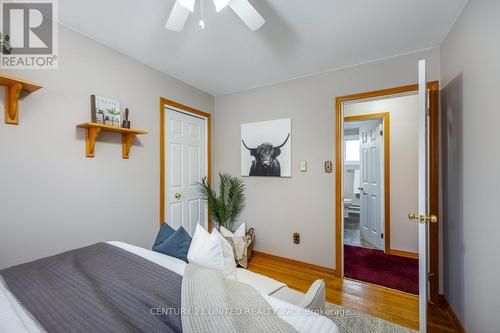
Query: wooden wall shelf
{"x": 93, "y": 130}
{"x": 13, "y": 88}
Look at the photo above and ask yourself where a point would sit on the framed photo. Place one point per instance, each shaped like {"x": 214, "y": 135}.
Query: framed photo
{"x": 105, "y": 111}
{"x": 266, "y": 148}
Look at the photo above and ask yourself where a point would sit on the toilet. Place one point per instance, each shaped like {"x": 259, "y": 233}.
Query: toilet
{"x": 347, "y": 204}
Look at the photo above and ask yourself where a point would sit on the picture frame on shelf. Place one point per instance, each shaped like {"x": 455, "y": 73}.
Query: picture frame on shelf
{"x": 105, "y": 111}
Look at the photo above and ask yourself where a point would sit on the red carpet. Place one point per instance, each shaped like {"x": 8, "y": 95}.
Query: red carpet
{"x": 376, "y": 267}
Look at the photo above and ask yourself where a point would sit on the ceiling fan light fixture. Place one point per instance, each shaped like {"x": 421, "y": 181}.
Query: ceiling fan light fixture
{"x": 220, "y": 4}
{"x": 182, "y": 8}
{"x": 188, "y": 4}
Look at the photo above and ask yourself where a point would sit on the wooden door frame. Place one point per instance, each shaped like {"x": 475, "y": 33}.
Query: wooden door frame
{"x": 433, "y": 175}
{"x": 386, "y": 120}
{"x": 164, "y": 103}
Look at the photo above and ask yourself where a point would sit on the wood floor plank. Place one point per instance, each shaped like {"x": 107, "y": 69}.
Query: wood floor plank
{"x": 388, "y": 304}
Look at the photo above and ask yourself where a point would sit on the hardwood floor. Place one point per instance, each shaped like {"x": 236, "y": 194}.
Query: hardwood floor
{"x": 388, "y": 304}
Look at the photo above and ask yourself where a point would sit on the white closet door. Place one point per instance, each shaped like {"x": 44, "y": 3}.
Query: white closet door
{"x": 185, "y": 166}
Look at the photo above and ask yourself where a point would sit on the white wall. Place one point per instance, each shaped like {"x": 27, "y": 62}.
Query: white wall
{"x": 403, "y": 113}
{"x": 470, "y": 64}
{"x": 52, "y": 198}
{"x": 304, "y": 203}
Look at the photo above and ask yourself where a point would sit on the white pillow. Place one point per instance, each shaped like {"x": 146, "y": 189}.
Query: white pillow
{"x": 206, "y": 250}
{"x": 240, "y": 232}
{"x": 228, "y": 254}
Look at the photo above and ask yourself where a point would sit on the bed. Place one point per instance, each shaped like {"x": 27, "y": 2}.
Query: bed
{"x": 17, "y": 318}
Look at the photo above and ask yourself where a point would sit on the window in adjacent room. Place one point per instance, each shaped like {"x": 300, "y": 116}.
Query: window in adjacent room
{"x": 352, "y": 150}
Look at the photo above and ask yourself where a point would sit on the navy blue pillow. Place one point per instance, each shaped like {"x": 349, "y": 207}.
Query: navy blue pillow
{"x": 177, "y": 245}
{"x": 165, "y": 232}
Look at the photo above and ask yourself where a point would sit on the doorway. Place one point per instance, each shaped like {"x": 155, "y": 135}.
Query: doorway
{"x": 401, "y": 252}
{"x": 380, "y": 186}
{"x": 185, "y": 140}
{"x": 366, "y": 145}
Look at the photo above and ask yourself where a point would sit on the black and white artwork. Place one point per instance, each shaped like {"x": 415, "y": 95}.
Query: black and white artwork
{"x": 266, "y": 148}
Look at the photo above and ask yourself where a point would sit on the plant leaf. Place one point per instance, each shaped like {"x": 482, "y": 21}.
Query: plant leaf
{"x": 228, "y": 205}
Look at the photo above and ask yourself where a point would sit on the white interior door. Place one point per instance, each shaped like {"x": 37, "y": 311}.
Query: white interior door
{"x": 423, "y": 182}
{"x": 186, "y": 165}
{"x": 370, "y": 182}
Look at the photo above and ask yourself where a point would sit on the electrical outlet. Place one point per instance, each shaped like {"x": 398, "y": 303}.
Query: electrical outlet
{"x": 296, "y": 238}
{"x": 303, "y": 166}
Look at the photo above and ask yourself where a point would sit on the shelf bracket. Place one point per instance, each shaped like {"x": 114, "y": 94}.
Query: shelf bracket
{"x": 12, "y": 93}
{"x": 127, "y": 140}
{"x": 92, "y": 134}
{"x": 93, "y": 130}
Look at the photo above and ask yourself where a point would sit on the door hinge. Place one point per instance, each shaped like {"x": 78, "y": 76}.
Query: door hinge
{"x": 428, "y": 101}
{"x": 430, "y": 276}
{"x": 428, "y": 98}
{"x": 382, "y": 235}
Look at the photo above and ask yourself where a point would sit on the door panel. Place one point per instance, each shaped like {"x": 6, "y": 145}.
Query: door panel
{"x": 370, "y": 164}
{"x": 423, "y": 182}
{"x": 194, "y": 131}
{"x": 194, "y": 213}
{"x": 363, "y": 215}
{"x": 175, "y": 127}
{"x": 186, "y": 156}
{"x": 364, "y": 165}
{"x": 194, "y": 165}
{"x": 176, "y": 214}
{"x": 176, "y": 167}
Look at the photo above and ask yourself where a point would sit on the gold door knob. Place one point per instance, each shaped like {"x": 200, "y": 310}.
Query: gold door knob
{"x": 412, "y": 216}
{"x": 422, "y": 218}
{"x": 178, "y": 195}
{"x": 417, "y": 217}
{"x": 432, "y": 219}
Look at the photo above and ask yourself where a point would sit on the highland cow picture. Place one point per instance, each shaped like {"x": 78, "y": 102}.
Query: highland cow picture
{"x": 266, "y": 148}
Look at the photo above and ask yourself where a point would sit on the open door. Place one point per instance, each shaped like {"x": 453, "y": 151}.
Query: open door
{"x": 370, "y": 184}
{"x": 423, "y": 217}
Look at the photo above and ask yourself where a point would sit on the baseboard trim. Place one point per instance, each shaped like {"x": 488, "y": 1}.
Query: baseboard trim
{"x": 405, "y": 254}
{"x": 456, "y": 322}
{"x": 312, "y": 267}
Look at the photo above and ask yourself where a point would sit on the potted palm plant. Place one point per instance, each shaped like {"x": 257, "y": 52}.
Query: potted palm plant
{"x": 227, "y": 206}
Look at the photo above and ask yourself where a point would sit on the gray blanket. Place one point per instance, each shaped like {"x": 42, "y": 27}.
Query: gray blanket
{"x": 215, "y": 304}
{"x": 99, "y": 288}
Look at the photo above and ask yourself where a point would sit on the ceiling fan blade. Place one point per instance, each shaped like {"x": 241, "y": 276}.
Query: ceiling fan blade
{"x": 177, "y": 18}
{"x": 220, "y": 4}
{"x": 189, "y": 4}
{"x": 247, "y": 14}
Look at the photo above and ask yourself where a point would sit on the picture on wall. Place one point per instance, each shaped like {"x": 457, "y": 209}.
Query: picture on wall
{"x": 266, "y": 148}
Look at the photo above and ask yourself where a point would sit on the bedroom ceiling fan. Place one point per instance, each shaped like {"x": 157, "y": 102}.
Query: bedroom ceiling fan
{"x": 246, "y": 12}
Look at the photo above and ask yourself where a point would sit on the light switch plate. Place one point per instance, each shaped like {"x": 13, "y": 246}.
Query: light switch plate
{"x": 328, "y": 166}
{"x": 303, "y": 166}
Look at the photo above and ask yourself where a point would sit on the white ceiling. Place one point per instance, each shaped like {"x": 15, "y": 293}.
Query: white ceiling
{"x": 300, "y": 37}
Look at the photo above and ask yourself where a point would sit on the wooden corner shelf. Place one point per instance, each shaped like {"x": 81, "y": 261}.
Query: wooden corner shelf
{"x": 13, "y": 88}
{"x": 93, "y": 130}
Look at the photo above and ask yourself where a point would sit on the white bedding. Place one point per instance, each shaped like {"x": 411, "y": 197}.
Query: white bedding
{"x": 15, "y": 319}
